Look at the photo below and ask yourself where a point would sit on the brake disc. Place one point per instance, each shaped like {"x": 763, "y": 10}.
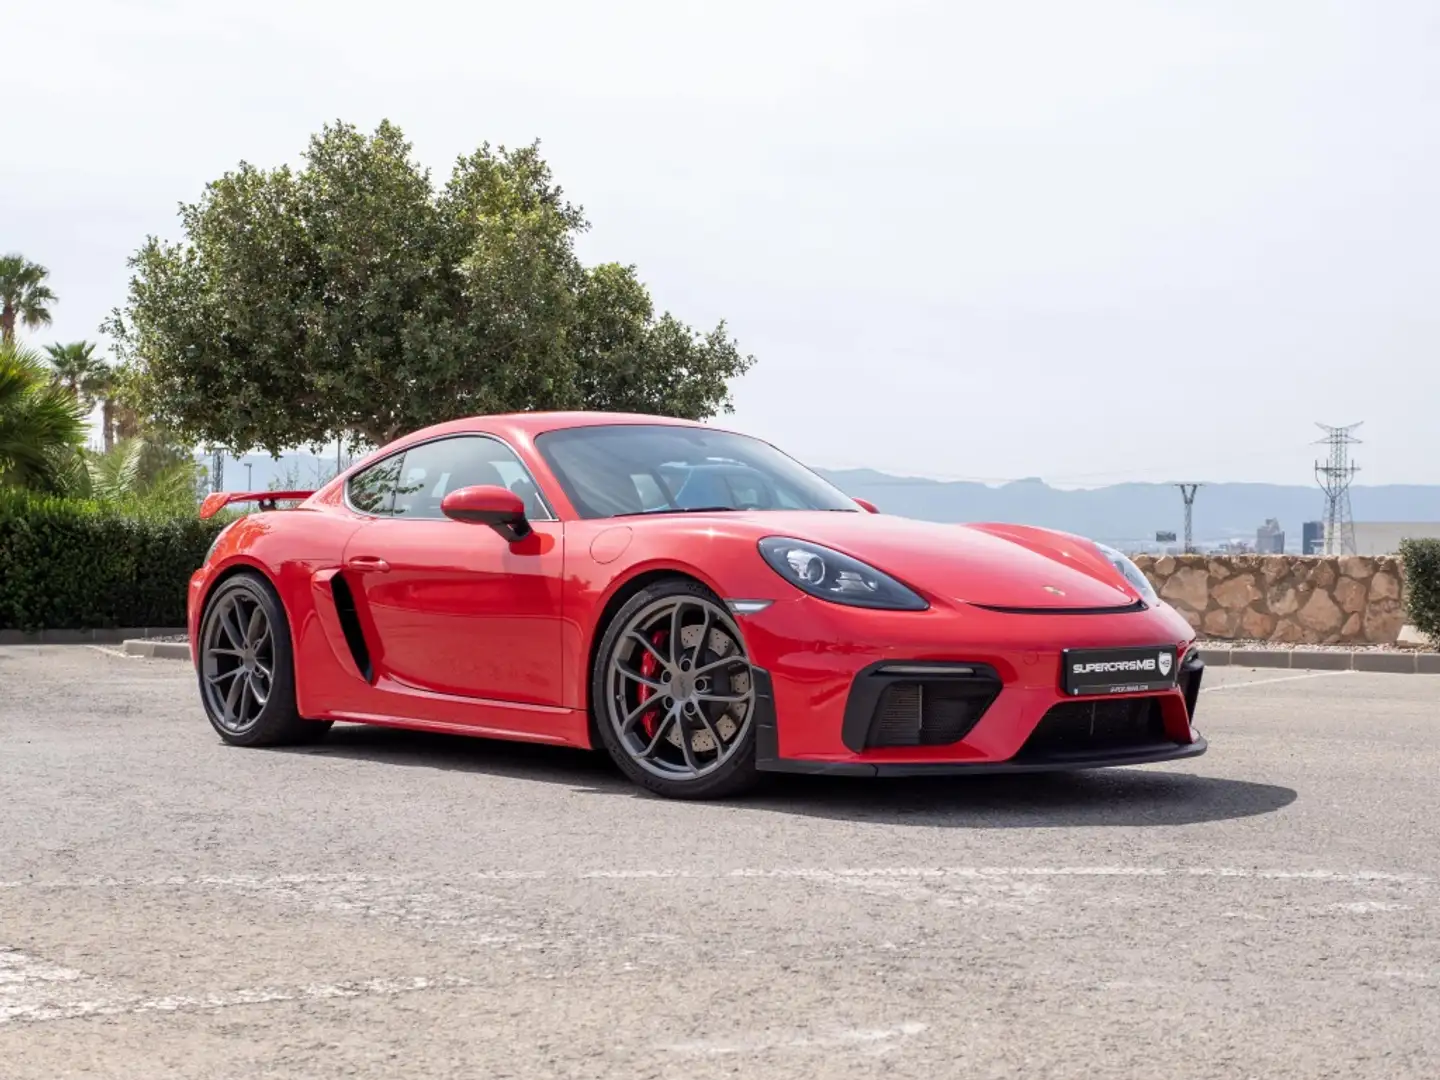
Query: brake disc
{"x": 720, "y": 645}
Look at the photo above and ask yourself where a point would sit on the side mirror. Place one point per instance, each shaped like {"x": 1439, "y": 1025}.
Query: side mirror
{"x": 486, "y": 504}
{"x": 867, "y": 505}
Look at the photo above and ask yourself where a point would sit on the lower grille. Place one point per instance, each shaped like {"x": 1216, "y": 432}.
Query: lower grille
{"x": 928, "y": 713}
{"x": 1107, "y": 724}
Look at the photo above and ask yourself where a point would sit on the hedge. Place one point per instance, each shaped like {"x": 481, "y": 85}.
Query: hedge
{"x": 72, "y": 565}
{"x": 1422, "y": 584}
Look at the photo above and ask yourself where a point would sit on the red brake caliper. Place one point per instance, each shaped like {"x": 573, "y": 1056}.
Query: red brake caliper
{"x": 650, "y": 667}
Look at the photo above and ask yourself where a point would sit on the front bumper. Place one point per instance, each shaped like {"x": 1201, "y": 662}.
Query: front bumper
{"x": 992, "y": 701}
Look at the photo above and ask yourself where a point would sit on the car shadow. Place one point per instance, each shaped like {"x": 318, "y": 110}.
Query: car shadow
{"x": 1129, "y": 797}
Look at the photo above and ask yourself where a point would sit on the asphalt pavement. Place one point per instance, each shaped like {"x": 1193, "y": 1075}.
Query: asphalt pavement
{"x": 398, "y": 905}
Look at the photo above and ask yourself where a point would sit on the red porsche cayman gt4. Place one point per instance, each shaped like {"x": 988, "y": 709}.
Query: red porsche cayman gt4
{"x": 692, "y": 600}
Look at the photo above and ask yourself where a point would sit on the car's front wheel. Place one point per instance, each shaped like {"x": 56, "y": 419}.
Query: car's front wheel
{"x": 674, "y": 695}
{"x": 247, "y": 667}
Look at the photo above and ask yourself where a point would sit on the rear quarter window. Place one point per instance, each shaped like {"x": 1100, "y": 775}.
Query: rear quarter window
{"x": 372, "y": 490}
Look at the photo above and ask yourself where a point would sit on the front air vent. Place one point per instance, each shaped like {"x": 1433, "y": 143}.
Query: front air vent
{"x": 921, "y": 704}
{"x": 1192, "y": 670}
{"x": 920, "y": 714}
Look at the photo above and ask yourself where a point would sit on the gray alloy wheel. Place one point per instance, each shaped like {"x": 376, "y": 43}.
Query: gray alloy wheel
{"x": 246, "y": 667}
{"x": 675, "y": 693}
{"x": 237, "y": 661}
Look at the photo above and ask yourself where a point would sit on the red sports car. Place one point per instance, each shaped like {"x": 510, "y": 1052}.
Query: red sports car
{"x": 692, "y": 600}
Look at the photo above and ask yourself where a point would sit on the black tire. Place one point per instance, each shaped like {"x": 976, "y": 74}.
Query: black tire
{"x": 734, "y": 774}
{"x": 225, "y": 664}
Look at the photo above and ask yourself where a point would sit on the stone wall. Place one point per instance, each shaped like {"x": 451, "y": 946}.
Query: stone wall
{"x": 1311, "y": 600}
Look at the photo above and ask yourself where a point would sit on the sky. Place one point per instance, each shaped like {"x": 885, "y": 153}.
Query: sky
{"x": 1085, "y": 242}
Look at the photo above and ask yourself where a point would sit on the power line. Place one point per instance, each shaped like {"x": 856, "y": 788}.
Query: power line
{"x": 1335, "y": 477}
{"x": 1187, "y": 492}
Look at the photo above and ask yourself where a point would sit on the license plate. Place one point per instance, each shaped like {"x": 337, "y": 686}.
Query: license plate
{"x": 1118, "y": 671}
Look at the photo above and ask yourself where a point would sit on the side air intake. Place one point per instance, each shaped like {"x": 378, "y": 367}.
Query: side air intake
{"x": 350, "y": 623}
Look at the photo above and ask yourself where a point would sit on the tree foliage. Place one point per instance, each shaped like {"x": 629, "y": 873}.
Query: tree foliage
{"x": 350, "y": 297}
{"x": 1422, "y": 584}
{"x": 24, "y": 296}
{"x": 42, "y": 425}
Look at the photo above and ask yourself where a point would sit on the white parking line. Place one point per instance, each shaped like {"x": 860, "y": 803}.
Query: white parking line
{"x": 31, "y": 989}
{"x": 416, "y": 881}
{"x": 1268, "y": 682}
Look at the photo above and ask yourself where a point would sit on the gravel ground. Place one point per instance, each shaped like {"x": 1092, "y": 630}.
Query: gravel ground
{"x": 397, "y": 905}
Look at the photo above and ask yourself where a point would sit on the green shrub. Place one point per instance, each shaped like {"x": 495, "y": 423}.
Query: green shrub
{"x": 1422, "y": 584}
{"x": 72, "y": 565}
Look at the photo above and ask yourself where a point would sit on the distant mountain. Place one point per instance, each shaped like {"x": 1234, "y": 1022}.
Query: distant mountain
{"x": 1126, "y": 515}
{"x": 1129, "y": 515}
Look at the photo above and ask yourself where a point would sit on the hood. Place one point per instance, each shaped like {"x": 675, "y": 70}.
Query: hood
{"x": 1013, "y": 566}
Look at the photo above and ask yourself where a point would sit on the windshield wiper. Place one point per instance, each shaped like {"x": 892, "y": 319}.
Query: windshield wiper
{"x": 681, "y": 510}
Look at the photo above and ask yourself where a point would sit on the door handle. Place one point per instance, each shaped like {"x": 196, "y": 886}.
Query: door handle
{"x": 369, "y": 563}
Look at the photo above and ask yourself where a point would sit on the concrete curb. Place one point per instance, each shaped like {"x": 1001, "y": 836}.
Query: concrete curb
{"x": 1399, "y": 663}
{"x": 158, "y": 650}
{"x": 113, "y": 636}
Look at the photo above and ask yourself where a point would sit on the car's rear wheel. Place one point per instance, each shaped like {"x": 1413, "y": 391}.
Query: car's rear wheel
{"x": 674, "y": 694}
{"x": 247, "y": 668}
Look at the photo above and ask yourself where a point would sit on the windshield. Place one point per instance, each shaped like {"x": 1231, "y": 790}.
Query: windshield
{"x": 618, "y": 469}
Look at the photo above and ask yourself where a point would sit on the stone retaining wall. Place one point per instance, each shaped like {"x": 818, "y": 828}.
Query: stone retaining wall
{"x": 1314, "y": 600}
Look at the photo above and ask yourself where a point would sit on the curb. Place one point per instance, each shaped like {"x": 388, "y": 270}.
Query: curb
{"x": 1398, "y": 663}
{"x": 113, "y": 636}
{"x": 158, "y": 650}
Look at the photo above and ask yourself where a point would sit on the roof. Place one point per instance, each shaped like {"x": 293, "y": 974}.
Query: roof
{"x": 530, "y": 424}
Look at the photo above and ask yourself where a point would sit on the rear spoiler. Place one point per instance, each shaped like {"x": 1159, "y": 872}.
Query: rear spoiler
{"x": 218, "y": 500}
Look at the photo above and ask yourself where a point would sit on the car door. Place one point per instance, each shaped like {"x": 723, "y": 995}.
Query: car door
{"x": 454, "y": 607}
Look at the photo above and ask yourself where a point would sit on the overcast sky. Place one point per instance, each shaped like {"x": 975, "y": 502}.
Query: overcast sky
{"x": 1083, "y": 241}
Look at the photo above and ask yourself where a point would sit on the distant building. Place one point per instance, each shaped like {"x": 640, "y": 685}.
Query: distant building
{"x": 1383, "y": 537}
{"x": 1312, "y": 538}
{"x": 1270, "y": 538}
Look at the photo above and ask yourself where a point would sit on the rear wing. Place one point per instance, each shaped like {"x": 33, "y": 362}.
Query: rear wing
{"x": 218, "y": 500}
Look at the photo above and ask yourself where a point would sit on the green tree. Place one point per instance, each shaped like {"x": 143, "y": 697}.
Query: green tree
{"x": 24, "y": 296}
{"x": 42, "y": 426}
{"x": 349, "y": 298}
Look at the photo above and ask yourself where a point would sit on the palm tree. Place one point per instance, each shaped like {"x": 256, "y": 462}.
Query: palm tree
{"x": 42, "y": 426}
{"x": 90, "y": 380}
{"x": 102, "y": 386}
{"x": 73, "y": 365}
{"x": 24, "y": 296}
{"x": 120, "y": 478}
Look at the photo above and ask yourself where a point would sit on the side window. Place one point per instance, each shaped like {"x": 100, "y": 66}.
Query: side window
{"x": 432, "y": 470}
{"x": 372, "y": 490}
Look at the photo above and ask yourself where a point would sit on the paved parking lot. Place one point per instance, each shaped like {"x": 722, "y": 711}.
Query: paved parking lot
{"x": 397, "y": 905}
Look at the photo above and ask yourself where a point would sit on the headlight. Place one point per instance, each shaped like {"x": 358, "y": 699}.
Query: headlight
{"x": 832, "y": 576}
{"x": 1131, "y": 573}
